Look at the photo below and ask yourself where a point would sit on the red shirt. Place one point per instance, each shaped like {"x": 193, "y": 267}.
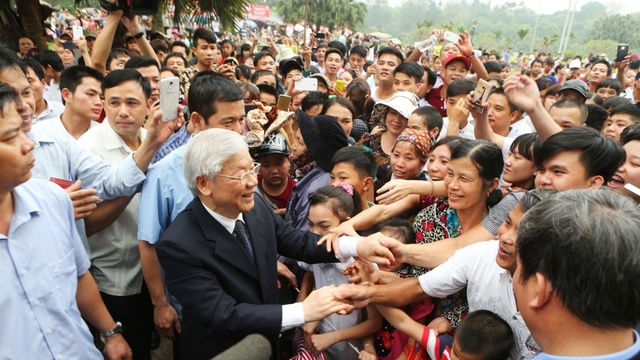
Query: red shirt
{"x": 433, "y": 97}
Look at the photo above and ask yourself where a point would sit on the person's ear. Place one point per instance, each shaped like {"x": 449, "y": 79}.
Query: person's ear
{"x": 513, "y": 117}
{"x": 368, "y": 183}
{"x": 201, "y": 183}
{"x": 197, "y": 120}
{"x": 434, "y": 132}
{"x": 419, "y": 86}
{"x": 494, "y": 184}
{"x": 542, "y": 291}
{"x": 428, "y": 87}
{"x": 149, "y": 104}
{"x": 595, "y": 182}
{"x": 66, "y": 94}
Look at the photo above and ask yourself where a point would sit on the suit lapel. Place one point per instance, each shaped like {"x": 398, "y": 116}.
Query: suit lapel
{"x": 227, "y": 246}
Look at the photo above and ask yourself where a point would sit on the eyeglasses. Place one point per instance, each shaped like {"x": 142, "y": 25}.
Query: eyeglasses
{"x": 244, "y": 178}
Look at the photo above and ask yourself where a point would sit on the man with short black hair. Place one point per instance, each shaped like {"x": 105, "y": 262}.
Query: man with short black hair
{"x": 408, "y": 77}
{"x": 580, "y": 303}
{"x": 82, "y": 98}
{"x": 115, "y": 259}
{"x": 268, "y": 95}
{"x": 388, "y": 59}
{"x": 150, "y": 70}
{"x": 333, "y": 65}
{"x": 357, "y": 59}
{"x": 179, "y": 46}
{"x": 53, "y": 67}
{"x": 619, "y": 118}
{"x": 569, "y": 113}
{"x": 535, "y": 69}
{"x": 264, "y": 77}
{"x": 45, "y": 110}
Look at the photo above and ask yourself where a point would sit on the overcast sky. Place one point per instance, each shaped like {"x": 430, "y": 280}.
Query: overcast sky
{"x": 551, "y": 6}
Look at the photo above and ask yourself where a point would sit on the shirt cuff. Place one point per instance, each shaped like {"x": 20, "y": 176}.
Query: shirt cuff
{"x": 292, "y": 316}
{"x": 422, "y": 279}
{"x": 347, "y": 247}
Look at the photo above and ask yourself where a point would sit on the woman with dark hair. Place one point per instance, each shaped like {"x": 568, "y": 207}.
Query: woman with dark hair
{"x": 341, "y": 109}
{"x": 357, "y": 93}
{"x": 520, "y": 166}
{"x": 245, "y": 53}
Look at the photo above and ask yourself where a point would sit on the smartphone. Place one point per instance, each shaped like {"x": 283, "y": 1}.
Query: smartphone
{"x": 481, "y": 94}
{"x": 249, "y": 107}
{"x": 78, "y": 32}
{"x": 341, "y": 85}
{"x": 283, "y": 102}
{"x": 623, "y": 51}
{"x": 320, "y": 35}
{"x": 634, "y": 189}
{"x": 451, "y": 37}
{"x": 169, "y": 98}
{"x": 307, "y": 84}
{"x": 68, "y": 45}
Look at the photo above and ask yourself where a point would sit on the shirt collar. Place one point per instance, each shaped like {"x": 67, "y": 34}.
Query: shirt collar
{"x": 113, "y": 141}
{"x": 227, "y": 223}
{"x": 25, "y": 207}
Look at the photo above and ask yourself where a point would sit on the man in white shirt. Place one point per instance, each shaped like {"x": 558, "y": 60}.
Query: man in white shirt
{"x": 82, "y": 97}
{"x": 53, "y": 67}
{"x": 115, "y": 259}
{"x": 45, "y": 110}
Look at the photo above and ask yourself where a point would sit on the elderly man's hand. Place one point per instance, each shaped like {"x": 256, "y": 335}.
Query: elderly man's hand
{"x": 322, "y": 303}
{"x": 380, "y": 249}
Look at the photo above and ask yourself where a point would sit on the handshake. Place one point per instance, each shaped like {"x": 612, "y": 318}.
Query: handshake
{"x": 373, "y": 250}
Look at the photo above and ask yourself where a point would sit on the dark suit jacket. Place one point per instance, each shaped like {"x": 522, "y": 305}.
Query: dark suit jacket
{"x": 224, "y": 296}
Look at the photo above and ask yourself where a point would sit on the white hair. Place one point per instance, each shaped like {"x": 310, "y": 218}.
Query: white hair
{"x": 207, "y": 152}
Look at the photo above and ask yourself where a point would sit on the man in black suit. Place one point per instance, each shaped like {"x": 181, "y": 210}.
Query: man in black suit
{"x": 219, "y": 255}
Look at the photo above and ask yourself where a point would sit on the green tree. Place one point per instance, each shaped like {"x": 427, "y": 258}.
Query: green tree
{"x": 618, "y": 28}
{"x": 323, "y": 12}
{"x": 225, "y": 11}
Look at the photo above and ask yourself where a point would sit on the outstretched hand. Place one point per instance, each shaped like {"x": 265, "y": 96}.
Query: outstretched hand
{"x": 522, "y": 91}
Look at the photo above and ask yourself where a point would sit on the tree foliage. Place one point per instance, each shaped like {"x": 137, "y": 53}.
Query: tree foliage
{"x": 620, "y": 28}
{"x": 323, "y": 12}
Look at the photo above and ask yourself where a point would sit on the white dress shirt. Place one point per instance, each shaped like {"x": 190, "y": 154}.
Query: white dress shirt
{"x": 489, "y": 287}
{"x": 115, "y": 260}
{"x": 54, "y": 110}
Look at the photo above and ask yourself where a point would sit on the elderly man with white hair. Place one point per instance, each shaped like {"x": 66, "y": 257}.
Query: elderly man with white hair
{"x": 219, "y": 254}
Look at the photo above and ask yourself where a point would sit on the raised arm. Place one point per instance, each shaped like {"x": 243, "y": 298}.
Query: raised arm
{"x": 130, "y": 21}
{"x": 523, "y": 92}
{"x": 466, "y": 48}
{"x": 102, "y": 46}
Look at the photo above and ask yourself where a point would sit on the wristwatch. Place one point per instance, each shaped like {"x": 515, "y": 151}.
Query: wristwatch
{"x": 115, "y": 330}
{"x": 138, "y": 35}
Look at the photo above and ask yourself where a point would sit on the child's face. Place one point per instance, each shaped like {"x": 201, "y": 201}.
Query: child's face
{"x": 299, "y": 147}
{"x": 345, "y": 172}
{"x": 606, "y": 92}
{"x": 321, "y": 219}
{"x": 274, "y": 169}
{"x": 416, "y": 122}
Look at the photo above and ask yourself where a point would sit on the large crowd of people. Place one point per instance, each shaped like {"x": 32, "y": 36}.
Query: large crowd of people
{"x": 341, "y": 198}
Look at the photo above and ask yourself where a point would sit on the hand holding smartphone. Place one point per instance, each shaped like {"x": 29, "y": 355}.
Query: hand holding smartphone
{"x": 623, "y": 51}
{"x": 169, "y": 98}
{"x": 307, "y": 84}
{"x": 481, "y": 95}
{"x": 451, "y": 37}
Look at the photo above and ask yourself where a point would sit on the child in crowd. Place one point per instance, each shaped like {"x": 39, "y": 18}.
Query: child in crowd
{"x": 274, "y": 183}
{"x": 481, "y": 335}
{"x": 520, "y": 167}
{"x": 426, "y": 118}
{"x": 608, "y": 88}
{"x": 337, "y": 336}
{"x": 389, "y": 342}
{"x": 356, "y": 166}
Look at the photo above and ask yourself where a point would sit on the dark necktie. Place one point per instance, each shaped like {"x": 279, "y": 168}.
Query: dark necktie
{"x": 238, "y": 231}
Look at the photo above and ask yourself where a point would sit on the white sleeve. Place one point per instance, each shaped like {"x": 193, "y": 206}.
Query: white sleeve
{"x": 450, "y": 277}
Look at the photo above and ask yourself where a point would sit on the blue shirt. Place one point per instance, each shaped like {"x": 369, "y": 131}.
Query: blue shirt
{"x": 175, "y": 141}
{"x": 298, "y": 205}
{"x": 59, "y": 155}
{"x": 629, "y": 353}
{"x": 165, "y": 194}
{"x": 40, "y": 261}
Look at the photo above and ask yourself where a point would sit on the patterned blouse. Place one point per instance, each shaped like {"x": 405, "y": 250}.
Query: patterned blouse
{"x": 437, "y": 221}
{"x": 384, "y": 172}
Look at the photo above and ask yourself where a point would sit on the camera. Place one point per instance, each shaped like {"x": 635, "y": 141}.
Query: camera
{"x": 137, "y": 7}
